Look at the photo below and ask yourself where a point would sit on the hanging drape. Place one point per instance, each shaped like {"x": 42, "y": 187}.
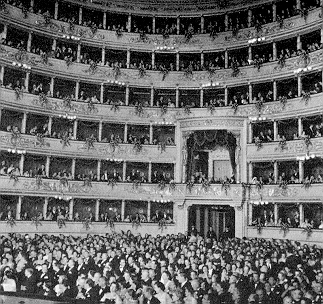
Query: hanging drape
{"x": 209, "y": 140}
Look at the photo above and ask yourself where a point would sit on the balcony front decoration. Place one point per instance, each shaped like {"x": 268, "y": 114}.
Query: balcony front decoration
{"x": 187, "y": 109}
{"x": 164, "y": 71}
{"x": 259, "y": 105}
{"x": 189, "y": 186}
{"x": 139, "y": 108}
{"x": 68, "y": 61}
{"x": 41, "y": 140}
{"x": 112, "y": 182}
{"x": 162, "y": 146}
{"x": 162, "y": 224}
{"x": 24, "y": 11}
{"x": 206, "y": 185}
{"x": 93, "y": 67}
{"x": 136, "y": 183}
{"x": 119, "y": 32}
{"x": 87, "y": 223}
{"x": 61, "y": 221}
{"x": 282, "y": 61}
{"x": 258, "y": 143}
{"x": 19, "y": 93}
{"x": 3, "y": 7}
{"x": 172, "y": 186}
{"x": 36, "y": 219}
{"x": 226, "y": 186}
{"x": 87, "y": 182}
{"x": 308, "y": 229}
{"x": 115, "y": 106}
{"x": 304, "y": 13}
{"x": 10, "y": 220}
{"x": 283, "y": 185}
{"x": 307, "y": 141}
{"x": 234, "y": 106}
{"x": 116, "y": 71}
{"x": 109, "y": 223}
{"x": 67, "y": 103}
{"x": 307, "y": 183}
{"x": 13, "y": 176}
{"x": 137, "y": 146}
{"x": 142, "y": 71}
{"x": 280, "y": 21}
{"x": 306, "y": 96}
{"x": 43, "y": 100}
{"x": 284, "y": 228}
{"x": 135, "y": 222}
{"x": 47, "y": 18}
{"x": 163, "y": 109}
{"x": 282, "y": 144}
{"x": 161, "y": 185}
{"x": 235, "y": 69}
{"x": 15, "y": 137}
{"x": 283, "y": 100}
{"x": 113, "y": 144}
{"x": 89, "y": 142}
{"x": 211, "y": 106}
{"x": 65, "y": 140}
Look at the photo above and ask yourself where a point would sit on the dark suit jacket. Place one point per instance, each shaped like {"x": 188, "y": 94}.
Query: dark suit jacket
{"x": 30, "y": 284}
{"x": 92, "y": 295}
{"x": 153, "y": 300}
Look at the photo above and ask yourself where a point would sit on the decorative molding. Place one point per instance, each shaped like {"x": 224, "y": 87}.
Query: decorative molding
{"x": 218, "y": 123}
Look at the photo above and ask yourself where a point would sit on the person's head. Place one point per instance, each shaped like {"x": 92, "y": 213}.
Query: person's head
{"x": 296, "y": 295}
{"x": 102, "y": 282}
{"x": 260, "y": 293}
{"x": 148, "y": 292}
{"x": 287, "y": 300}
{"x": 181, "y": 277}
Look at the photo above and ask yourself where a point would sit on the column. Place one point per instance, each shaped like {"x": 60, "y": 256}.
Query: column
{"x": 299, "y": 86}
{"x": 299, "y": 42}
{"x": 249, "y": 18}
{"x": 45, "y": 206}
{"x": 129, "y": 23}
{"x": 73, "y": 168}
{"x": 47, "y": 165}
{"x": 80, "y": 15}
{"x": 100, "y": 131}
{"x": 50, "y": 123}
{"x": 54, "y": 45}
{"x": 154, "y": 24}
{"x": 29, "y": 42}
{"x": 202, "y": 58}
{"x": 250, "y": 135}
{"x": 301, "y": 213}
{"x": 213, "y": 221}
{"x": 177, "y": 61}
{"x": 56, "y": 10}
{"x": 202, "y": 24}
{"x": 250, "y": 92}
{"x": 275, "y": 130}
{"x": 250, "y": 209}
{"x": 201, "y": 97}
{"x": 206, "y": 220}
{"x": 151, "y": 134}
{"x": 178, "y": 21}
{"x": 198, "y": 219}
{"x": 226, "y": 95}
{"x": 125, "y": 137}
{"x": 1, "y": 73}
{"x": 75, "y": 130}
{"x": 124, "y": 171}
{"x": 300, "y": 126}
{"x": 301, "y": 170}
{"x": 123, "y": 204}
{"x": 97, "y": 210}
{"x": 226, "y": 59}
{"x": 152, "y": 94}
{"x": 77, "y": 90}
{"x": 274, "y": 12}
{"x": 5, "y": 31}
{"x": 250, "y": 52}
{"x": 275, "y": 90}
{"x": 98, "y": 170}
{"x": 149, "y": 172}
{"x": 18, "y": 211}
{"x": 274, "y": 51}
{"x": 23, "y": 123}
{"x": 226, "y": 22}
{"x": 102, "y": 93}
{"x": 70, "y": 211}
{"x": 51, "y": 87}
{"x": 27, "y": 80}
{"x": 250, "y": 169}
{"x": 103, "y": 56}
{"x": 104, "y": 22}
{"x": 177, "y": 97}
{"x": 276, "y": 213}
{"x": 128, "y": 58}
{"x": 237, "y": 136}
{"x": 78, "y": 58}
{"x": 153, "y": 59}
{"x": 127, "y": 95}
{"x": 276, "y": 172}
{"x": 148, "y": 210}
{"x": 21, "y": 164}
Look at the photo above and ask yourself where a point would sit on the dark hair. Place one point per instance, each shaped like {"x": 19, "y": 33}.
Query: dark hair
{"x": 160, "y": 285}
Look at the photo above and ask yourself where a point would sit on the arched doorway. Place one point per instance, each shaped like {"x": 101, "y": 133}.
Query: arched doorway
{"x": 219, "y": 217}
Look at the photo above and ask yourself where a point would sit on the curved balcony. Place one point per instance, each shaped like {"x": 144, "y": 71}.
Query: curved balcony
{"x": 225, "y": 77}
{"x": 78, "y": 228}
{"x": 296, "y": 234}
{"x": 79, "y": 149}
{"x": 292, "y": 149}
{"x": 100, "y": 190}
{"x": 224, "y": 40}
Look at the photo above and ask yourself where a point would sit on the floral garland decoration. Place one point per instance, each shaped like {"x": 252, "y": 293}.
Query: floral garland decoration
{"x": 93, "y": 67}
{"x": 162, "y": 224}
{"x": 137, "y": 146}
{"x": 3, "y": 7}
{"x": 65, "y": 140}
{"x": 90, "y": 106}
{"x": 206, "y": 185}
{"x": 259, "y": 185}
{"x": 306, "y": 96}
{"x": 113, "y": 145}
{"x": 14, "y": 177}
{"x": 68, "y": 61}
{"x": 259, "y": 105}
{"x": 211, "y": 107}
{"x": 40, "y": 140}
{"x": 308, "y": 230}
{"x": 43, "y": 100}
{"x": 112, "y": 182}
{"x": 11, "y": 221}
{"x": 119, "y": 32}
{"x": 39, "y": 181}
{"x": 136, "y": 183}
{"x": 162, "y": 146}
{"x": 163, "y": 109}
{"x": 258, "y": 143}
{"x": 136, "y": 223}
{"x": 47, "y": 18}
{"x": 187, "y": 110}
{"x": 139, "y": 108}
{"x": 161, "y": 185}
{"x": 285, "y": 228}
{"x": 35, "y": 220}
{"x": 15, "y": 137}
{"x": 115, "y": 106}
{"x": 283, "y": 185}
{"x": 19, "y": 93}
{"x": 89, "y": 142}
{"x": 257, "y": 63}
{"x": 172, "y": 186}
{"x": 259, "y": 226}
{"x": 116, "y": 72}
{"x": 235, "y": 107}
{"x": 63, "y": 181}
{"x": 93, "y": 28}
{"x": 24, "y": 11}
{"x": 189, "y": 186}
{"x": 87, "y": 223}
{"x": 67, "y": 102}
{"x": 304, "y": 13}
{"x": 61, "y": 222}
{"x": 235, "y": 70}
{"x": 226, "y": 186}
{"x": 109, "y": 223}
{"x": 258, "y": 27}
{"x": 164, "y": 72}
{"x": 282, "y": 144}
{"x": 282, "y": 61}
{"x": 283, "y": 100}
{"x": 307, "y": 141}
{"x": 307, "y": 183}
{"x": 141, "y": 71}
{"x": 280, "y": 21}
{"x": 87, "y": 182}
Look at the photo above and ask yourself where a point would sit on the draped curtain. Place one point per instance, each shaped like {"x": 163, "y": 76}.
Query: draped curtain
{"x": 209, "y": 140}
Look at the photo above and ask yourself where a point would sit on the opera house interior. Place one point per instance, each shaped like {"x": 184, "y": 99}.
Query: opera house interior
{"x": 167, "y": 151}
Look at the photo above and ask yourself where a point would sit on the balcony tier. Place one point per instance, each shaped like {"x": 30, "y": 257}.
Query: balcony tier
{"x": 224, "y": 40}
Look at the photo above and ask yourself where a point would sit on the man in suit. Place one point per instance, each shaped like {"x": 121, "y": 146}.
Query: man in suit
{"x": 71, "y": 273}
{"x": 30, "y": 283}
{"x": 91, "y": 294}
{"x": 148, "y": 296}
{"x": 183, "y": 280}
{"x": 119, "y": 272}
{"x": 103, "y": 287}
{"x": 45, "y": 276}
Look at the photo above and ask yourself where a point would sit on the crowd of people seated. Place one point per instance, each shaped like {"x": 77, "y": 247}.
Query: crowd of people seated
{"x": 158, "y": 176}
{"x": 164, "y": 269}
{"x": 9, "y": 168}
{"x": 137, "y": 176}
{"x": 199, "y": 177}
